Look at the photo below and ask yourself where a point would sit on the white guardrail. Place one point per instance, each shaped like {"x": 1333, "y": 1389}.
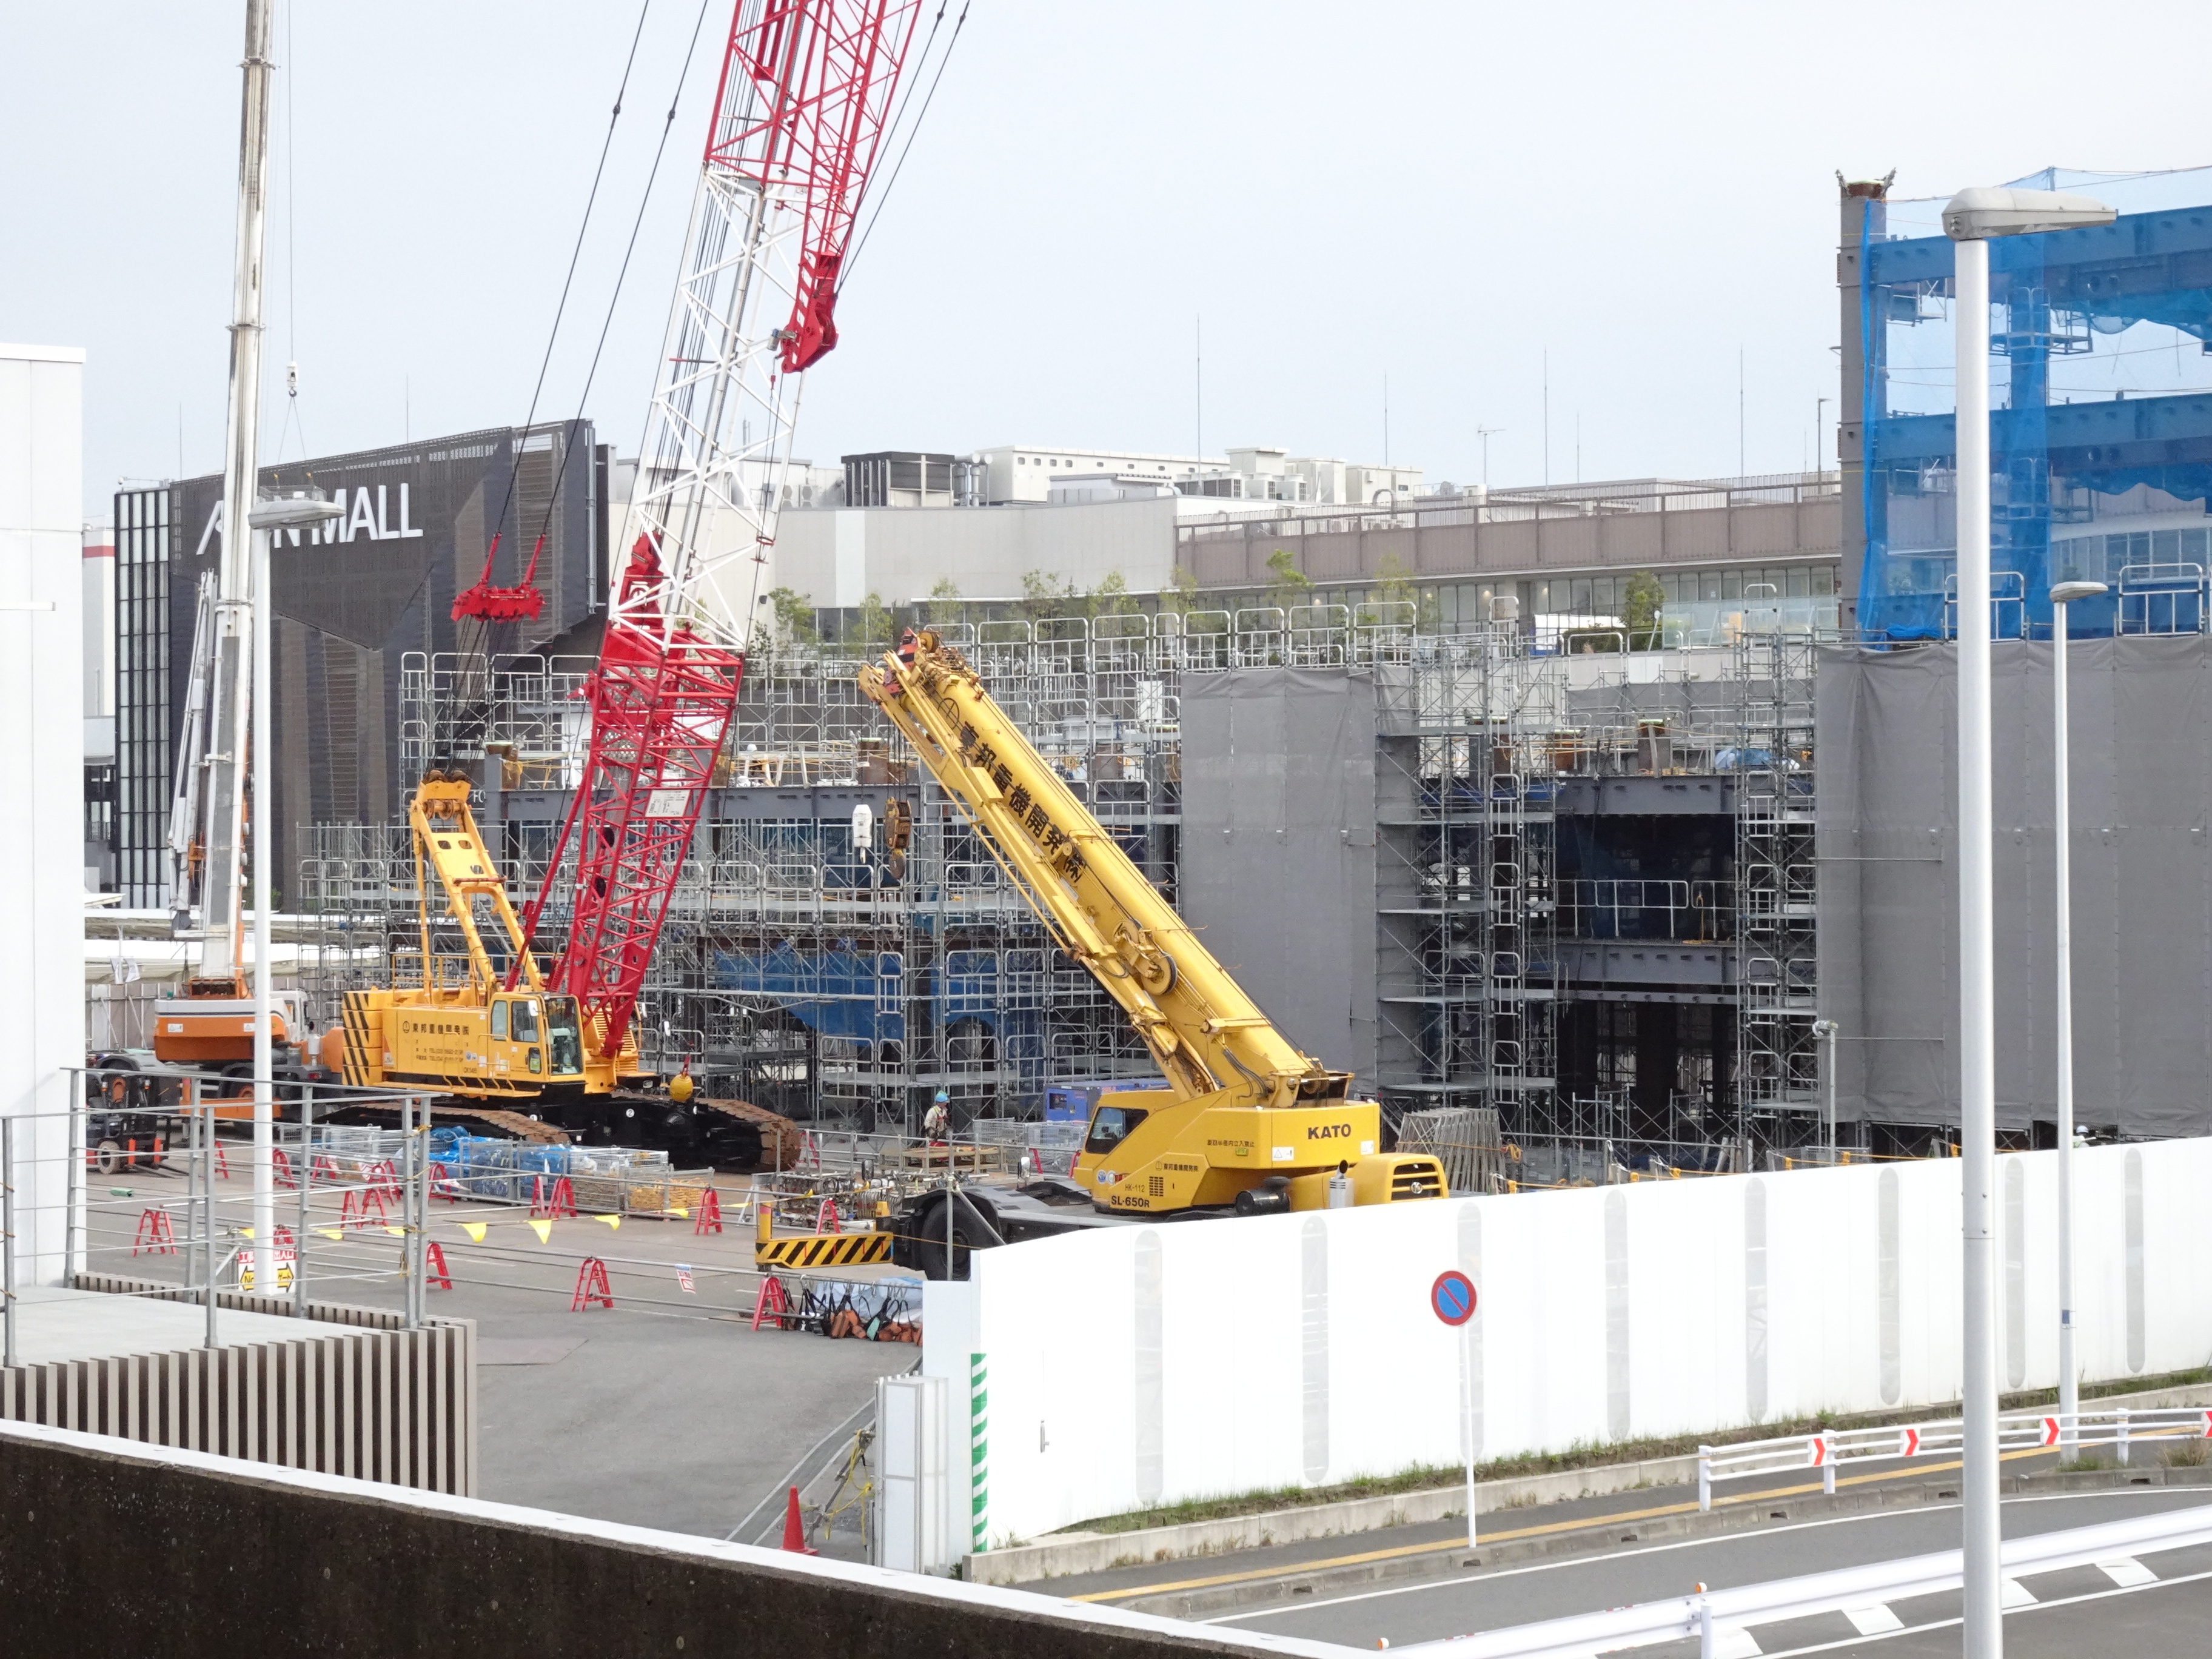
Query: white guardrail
{"x": 2021, "y": 1431}
{"x": 1714, "y": 1617}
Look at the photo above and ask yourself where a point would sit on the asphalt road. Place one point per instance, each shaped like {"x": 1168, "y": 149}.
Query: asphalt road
{"x": 666, "y": 1410}
{"x": 1490, "y": 1599}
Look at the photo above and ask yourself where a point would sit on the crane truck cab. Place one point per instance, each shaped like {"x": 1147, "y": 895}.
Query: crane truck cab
{"x": 1141, "y": 1160}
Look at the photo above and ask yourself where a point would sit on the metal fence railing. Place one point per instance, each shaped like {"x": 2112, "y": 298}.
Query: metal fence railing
{"x": 1826, "y": 1449}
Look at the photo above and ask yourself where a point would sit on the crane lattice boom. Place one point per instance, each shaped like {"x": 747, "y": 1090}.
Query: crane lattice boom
{"x": 806, "y": 95}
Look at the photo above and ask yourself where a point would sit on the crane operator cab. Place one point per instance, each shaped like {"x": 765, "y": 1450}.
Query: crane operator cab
{"x": 536, "y": 1036}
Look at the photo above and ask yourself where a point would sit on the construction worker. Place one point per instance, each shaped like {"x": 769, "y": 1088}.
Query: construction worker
{"x": 938, "y": 1118}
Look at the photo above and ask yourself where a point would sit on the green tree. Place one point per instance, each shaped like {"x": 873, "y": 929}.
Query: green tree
{"x": 1181, "y": 594}
{"x": 794, "y": 614}
{"x": 1290, "y": 586}
{"x": 1395, "y": 585}
{"x": 943, "y": 605}
{"x": 1111, "y": 597}
{"x": 1045, "y": 595}
{"x": 872, "y": 626}
{"x": 1640, "y": 602}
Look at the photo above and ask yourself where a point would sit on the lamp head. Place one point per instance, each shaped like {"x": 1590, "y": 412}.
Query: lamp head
{"x": 1975, "y": 215}
{"x": 2067, "y": 593}
{"x": 292, "y": 512}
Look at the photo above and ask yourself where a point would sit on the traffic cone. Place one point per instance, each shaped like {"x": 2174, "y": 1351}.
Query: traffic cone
{"x": 794, "y": 1528}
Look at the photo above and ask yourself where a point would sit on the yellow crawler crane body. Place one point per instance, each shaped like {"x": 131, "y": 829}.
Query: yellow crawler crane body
{"x": 461, "y": 1031}
{"x": 1245, "y": 1113}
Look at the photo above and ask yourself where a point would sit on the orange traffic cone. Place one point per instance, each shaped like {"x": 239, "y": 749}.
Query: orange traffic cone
{"x": 794, "y": 1528}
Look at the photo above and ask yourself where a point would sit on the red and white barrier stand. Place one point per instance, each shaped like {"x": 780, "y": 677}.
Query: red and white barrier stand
{"x": 154, "y": 1234}
{"x": 591, "y": 1287}
{"x": 710, "y": 1217}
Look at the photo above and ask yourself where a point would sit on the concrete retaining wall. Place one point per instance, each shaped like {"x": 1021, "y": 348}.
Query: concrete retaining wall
{"x": 110, "y": 1547}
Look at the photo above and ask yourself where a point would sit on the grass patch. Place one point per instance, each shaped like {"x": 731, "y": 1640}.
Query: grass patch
{"x": 1427, "y": 1477}
{"x": 2190, "y": 1453}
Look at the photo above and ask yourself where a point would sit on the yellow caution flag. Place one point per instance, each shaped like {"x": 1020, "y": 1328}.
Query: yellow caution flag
{"x": 681, "y": 1214}
{"x": 338, "y": 1233}
{"x": 611, "y": 1220}
{"x": 475, "y": 1230}
{"x": 542, "y": 1229}
{"x": 397, "y": 1232}
{"x": 247, "y": 1232}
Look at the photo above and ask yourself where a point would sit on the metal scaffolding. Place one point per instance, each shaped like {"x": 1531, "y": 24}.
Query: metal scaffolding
{"x": 843, "y": 966}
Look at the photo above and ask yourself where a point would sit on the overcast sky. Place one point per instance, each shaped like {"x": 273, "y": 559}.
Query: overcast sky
{"x": 1438, "y": 194}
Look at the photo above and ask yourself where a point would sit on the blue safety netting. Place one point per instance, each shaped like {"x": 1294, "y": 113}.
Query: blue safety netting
{"x": 2101, "y": 412}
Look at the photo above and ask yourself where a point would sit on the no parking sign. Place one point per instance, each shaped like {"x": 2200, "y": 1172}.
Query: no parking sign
{"x": 1452, "y": 1299}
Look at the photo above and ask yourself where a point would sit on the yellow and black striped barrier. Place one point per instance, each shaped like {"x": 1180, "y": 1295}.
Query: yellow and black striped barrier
{"x": 819, "y": 1250}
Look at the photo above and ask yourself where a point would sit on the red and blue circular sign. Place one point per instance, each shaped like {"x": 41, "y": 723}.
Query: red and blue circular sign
{"x": 1453, "y": 1297}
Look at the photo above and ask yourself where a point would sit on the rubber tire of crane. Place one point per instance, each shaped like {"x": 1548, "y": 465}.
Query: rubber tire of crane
{"x": 929, "y": 1246}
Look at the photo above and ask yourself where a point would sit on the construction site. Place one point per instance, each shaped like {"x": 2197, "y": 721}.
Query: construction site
{"x": 1246, "y": 1000}
{"x": 1593, "y": 893}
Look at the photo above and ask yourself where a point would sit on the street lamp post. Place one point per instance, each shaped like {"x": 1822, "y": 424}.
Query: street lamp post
{"x": 268, "y": 517}
{"x": 1970, "y": 219}
{"x": 2061, "y": 881}
{"x": 1827, "y": 1031}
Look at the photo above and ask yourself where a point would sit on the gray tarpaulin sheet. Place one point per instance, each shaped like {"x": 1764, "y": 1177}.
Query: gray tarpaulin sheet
{"x": 2142, "y": 800}
{"x": 1278, "y": 861}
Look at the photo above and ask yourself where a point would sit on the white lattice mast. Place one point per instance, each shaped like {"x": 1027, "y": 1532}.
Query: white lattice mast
{"x": 804, "y": 97}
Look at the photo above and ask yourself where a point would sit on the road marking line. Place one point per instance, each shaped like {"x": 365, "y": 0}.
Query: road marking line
{"x": 1579, "y": 1562}
{"x": 2040, "y": 1607}
{"x": 2127, "y": 1573}
{"x": 1587, "y": 1523}
{"x": 2014, "y": 1594}
{"x": 1874, "y": 1621}
{"x": 1735, "y": 1643}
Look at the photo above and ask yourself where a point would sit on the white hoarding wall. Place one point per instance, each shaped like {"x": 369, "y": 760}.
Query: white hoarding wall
{"x": 1129, "y": 1367}
{"x": 42, "y": 758}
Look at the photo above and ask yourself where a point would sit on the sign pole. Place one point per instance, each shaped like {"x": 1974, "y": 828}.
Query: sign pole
{"x": 1452, "y": 1299}
{"x": 1467, "y": 1417}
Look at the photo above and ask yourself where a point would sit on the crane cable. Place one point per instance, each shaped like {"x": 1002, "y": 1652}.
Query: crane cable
{"x": 483, "y": 629}
{"x": 606, "y": 323}
{"x": 845, "y": 271}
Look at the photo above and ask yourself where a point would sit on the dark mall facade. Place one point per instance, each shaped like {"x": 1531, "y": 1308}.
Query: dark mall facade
{"x": 354, "y": 604}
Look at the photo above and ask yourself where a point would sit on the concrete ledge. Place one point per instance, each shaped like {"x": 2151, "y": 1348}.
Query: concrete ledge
{"x": 1069, "y": 1552}
{"x": 1101, "y": 1552}
{"x": 107, "y": 1547}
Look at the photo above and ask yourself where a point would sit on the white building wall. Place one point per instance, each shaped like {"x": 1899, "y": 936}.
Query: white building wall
{"x": 898, "y": 554}
{"x": 1025, "y": 472}
{"x": 42, "y": 758}
{"x": 1146, "y": 1366}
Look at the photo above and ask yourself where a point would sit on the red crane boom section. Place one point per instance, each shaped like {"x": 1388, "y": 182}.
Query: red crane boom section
{"x": 820, "y": 72}
{"x": 802, "y": 106}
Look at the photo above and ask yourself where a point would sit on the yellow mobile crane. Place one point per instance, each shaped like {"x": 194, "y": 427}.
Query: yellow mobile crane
{"x": 1246, "y": 1124}
{"x": 485, "y": 1029}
